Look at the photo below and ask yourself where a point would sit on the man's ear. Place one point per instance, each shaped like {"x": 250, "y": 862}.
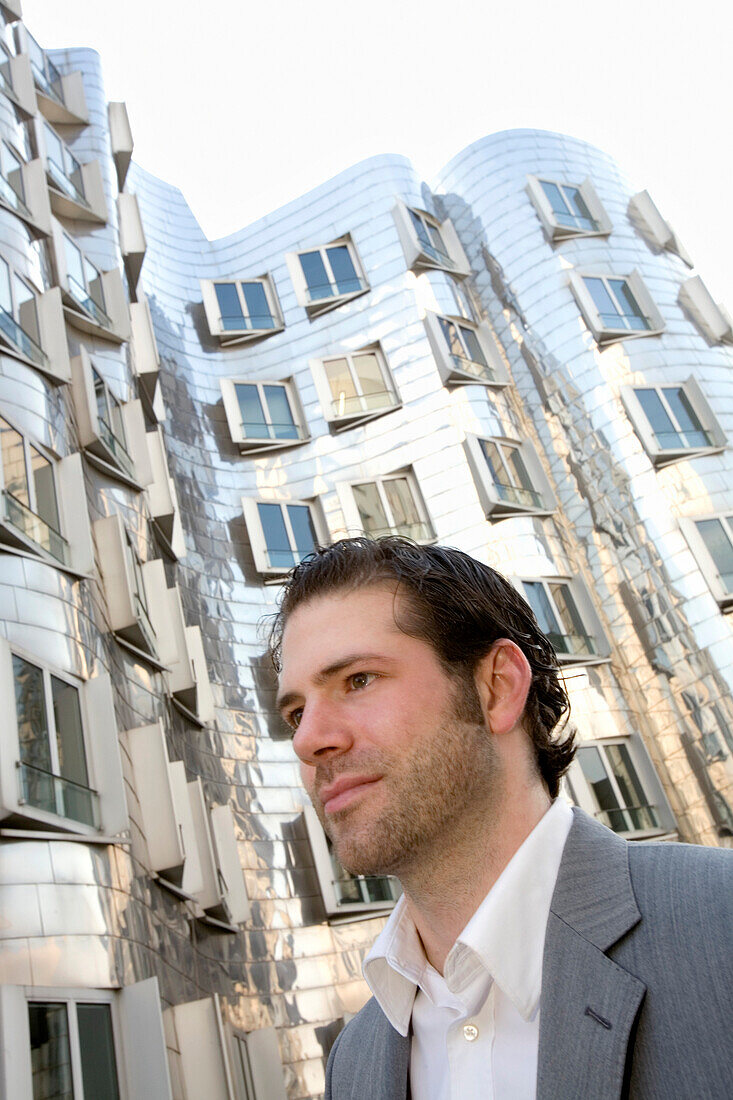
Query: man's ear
{"x": 503, "y": 679}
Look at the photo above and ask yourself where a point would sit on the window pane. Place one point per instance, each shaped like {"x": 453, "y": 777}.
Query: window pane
{"x": 603, "y": 302}
{"x": 719, "y": 546}
{"x": 402, "y": 505}
{"x": 50, "y": 1052}
{"x": 279, "y": 550}
{"x": 25, "y": 306}
{"x": 257, "y": 305}
{"x": 556, "y": 201}
{"x": 46, "y": 506}
{"x": 437, "y": 241}
{"x": 371, "y": 380}
{"x": 343, "y": 269}
{"x": 300, "y": 521}
{"x": 229, "y": 306}
{"x": 659, "y": 419}
{"x": 30, "y": 704}
{"x": 624, "y": 772}
{"x": 6, "y": 298}
{"x": 13, "y": 458}
{"x": 419, "y": 227}
{"x": 582, "y": 219}
{"x": 628, "y": 304}
{"x": 595, "y": 772}
{"x": 74, "y": 264}
{"x": 516, "y": 464}
{"x": 493, "y": 460}
{"x": 371, "y": 509}
{"x": 568, "y": 609}
{"x": 452, "y": 339}
{"x": 94, "y": 283}
{"x": 314, "y": 270}
{"x": 475, "y": 354}
{"x": 686, "y": 417}
{"x": 54, "y": 148}
{"x": 69, "y": 734}
{"x": 281, "y": 415}
{"x": 254, "y": 425}
{"x": 539, "y": 601}
{"x": 341, "y": 384}
{"x": 96, "y": 1046}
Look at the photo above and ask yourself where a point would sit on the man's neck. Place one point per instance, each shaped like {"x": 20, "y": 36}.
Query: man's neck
{"x": 448, "y": 886}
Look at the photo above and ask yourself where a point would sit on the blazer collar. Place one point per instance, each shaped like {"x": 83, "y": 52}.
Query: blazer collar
{"x": 589, "y": 1003}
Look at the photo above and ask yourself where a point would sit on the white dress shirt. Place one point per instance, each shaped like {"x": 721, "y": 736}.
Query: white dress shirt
{"x": 475, "y": 1029}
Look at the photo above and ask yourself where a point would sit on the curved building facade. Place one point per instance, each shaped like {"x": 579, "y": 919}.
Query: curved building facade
{"x": 520, "y": 361}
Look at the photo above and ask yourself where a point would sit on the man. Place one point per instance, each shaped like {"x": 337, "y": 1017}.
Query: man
{"x": 533, "y": 952}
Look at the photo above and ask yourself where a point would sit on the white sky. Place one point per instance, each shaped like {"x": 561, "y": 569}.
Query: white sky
{"x": 245, "y": 106}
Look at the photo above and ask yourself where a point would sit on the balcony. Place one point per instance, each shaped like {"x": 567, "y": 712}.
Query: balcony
{"x": 56, "y": 795}
{"x": 514, "y": 494}
{"x": 87, "y": 303}
{"x": 35, "y": 529}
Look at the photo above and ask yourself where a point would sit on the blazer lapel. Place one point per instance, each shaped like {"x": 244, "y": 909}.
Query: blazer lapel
{"x": 589, "y": 1003}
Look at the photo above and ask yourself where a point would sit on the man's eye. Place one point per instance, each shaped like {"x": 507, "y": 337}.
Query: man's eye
{"x": 361, "y": 679}
{"x": 294, "y": 717}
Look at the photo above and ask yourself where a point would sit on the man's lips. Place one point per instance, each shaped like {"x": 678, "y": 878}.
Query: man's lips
{"x": 339, "y": 794}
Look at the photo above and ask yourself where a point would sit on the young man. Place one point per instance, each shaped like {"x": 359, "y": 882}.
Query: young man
{"x": 533, "y": 952}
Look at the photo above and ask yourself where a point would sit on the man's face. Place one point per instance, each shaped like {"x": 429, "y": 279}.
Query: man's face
{"x": 394, "y": 753}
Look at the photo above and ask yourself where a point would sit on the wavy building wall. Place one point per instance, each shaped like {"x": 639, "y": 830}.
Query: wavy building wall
{"x": 520, "y": 362}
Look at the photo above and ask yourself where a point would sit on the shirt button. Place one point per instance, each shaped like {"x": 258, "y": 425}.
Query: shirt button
{"x": 470, "y": 1032}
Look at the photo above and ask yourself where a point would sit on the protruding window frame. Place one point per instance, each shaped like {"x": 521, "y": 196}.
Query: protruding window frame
{"x": 421, "y": 254}
{"x": 497, "y": 504}
{"x": 665, "y": 456}
{"x": 315, "y": 307}
{"x": 722, "y": 591}
{"x": 603, "y": 332}
{"x": 451, "y": 372}
{"x": 555, "y": 231}
{"x": 326, "y": 867}
{"x": 352, "y": 517}
{"x": 249, "y": 333}
{"x": 260, "y": 445}
{"x": 343, "y": 420}
{"x": 261, "y": 551}
{"x": 598, "y": 651}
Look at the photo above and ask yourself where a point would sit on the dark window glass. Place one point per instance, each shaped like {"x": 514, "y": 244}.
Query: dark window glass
{"x": 50, "y": 1052}
{"x": 303, "y": 533}
{"x": 257, "y": 306}
{"x": 720, "y": 548}
{"x": 282, "y": 423}
{"x": 343, "y": 269}
{"x": 314, "y": 269}
{"x": 229, "y": 306}
{"x": 254, "y": 424}
{"x": 279, "y": 551}
{"x": 96, "y": 1047}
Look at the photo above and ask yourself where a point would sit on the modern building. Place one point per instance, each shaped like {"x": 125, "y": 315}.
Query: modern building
{"x": 520, "y": 361}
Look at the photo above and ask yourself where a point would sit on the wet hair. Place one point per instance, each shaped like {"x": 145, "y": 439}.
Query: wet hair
{"x": 457, "y": 605}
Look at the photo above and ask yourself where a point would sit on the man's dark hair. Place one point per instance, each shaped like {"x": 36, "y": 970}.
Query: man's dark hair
{"x": 458, "y": 606}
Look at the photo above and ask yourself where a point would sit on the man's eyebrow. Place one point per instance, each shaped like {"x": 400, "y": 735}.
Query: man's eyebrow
{"x": 324, "y": 674}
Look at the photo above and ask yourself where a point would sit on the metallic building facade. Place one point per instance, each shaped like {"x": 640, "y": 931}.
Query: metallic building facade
{"x": 520, "y": 362}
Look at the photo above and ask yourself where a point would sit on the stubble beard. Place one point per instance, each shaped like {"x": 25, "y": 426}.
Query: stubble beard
{"x": 426, "y": 801}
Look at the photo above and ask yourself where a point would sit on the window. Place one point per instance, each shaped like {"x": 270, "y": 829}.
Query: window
{"x": 19, "y": 317}
{"x": 243, "y": 309}
{"x": 616, "y": 308}
{"x": 568, "y": 209}
{"x": 465, "y": 352}
{"x": 711, "y": 318}
{"x": 85, "y": 1044}
{"x": 282, "y": 533}
{"x": 215, "y": 1060}
{"x": 76, "y": 190}
{"x": 124, "y": 587}
{"x": 84, "y": 283}
{"x": 60, "y": 97}
{"x": 673, "y": 422}
{"x": 711, "y": 541}
{"x": 326, "y": 277}
{"x": 162, "y": 498}
{"x": 47, "y": 77}
{"x": 111, "y": 432}
{"x": 341, "y": 891}
{"x": 263, "y": 416}
{"x": 95, "y": 301}
{"x": 64, "y": 170}
{"x": 165, "y": 812}
{"x": 355, "y": 387}
{"x": 222, "y": 896}
{"x": 565, "y": 614}
{"x": 53, "y": 769}
{"x": 12, "y": 191}
{"x": 72, "y": 1050}
{"x": 387, "y": 506}
{"x": 613, "y": 788}
{"x": 659, "y": 232}
{"x": 429, "y": 243}
{"x": 509, "y": 477}
{"x": 30, "y": 503}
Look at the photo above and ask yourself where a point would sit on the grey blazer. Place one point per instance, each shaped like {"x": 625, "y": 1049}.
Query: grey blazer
{"x": 637, "y": 982}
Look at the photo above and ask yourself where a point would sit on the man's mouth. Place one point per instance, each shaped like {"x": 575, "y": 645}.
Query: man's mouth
{"x": 345, "y": 790}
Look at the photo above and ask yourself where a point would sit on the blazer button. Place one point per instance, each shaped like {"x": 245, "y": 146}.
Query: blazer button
{"x": 470, "y": 1032}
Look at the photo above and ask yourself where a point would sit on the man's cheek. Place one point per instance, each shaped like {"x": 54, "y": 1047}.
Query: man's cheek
{"x": 308, "y": 777}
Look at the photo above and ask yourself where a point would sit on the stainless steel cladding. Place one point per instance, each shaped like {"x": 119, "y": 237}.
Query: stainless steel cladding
{"x": 519, "y": 362}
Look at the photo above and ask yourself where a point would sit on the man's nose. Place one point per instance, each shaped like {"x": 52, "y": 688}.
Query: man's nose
{"x": 321, "y": 733}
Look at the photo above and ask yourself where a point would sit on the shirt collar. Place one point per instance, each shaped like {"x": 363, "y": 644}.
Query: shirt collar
{"x": 505, "y": 936}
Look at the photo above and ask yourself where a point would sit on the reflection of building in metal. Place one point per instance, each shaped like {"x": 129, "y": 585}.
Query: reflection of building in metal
{"x": 518, "y": 363}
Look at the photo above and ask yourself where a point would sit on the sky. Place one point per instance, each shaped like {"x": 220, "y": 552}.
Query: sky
{"x": 245, "y": 106}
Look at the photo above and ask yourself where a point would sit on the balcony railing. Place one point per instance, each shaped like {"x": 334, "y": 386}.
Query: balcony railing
{"x": 35, "y": 528}
{"x": 87, "y": 303}
{"x": 352, "y": 285}
{"x": 57, "y": 795}
{"x": 20, "y": 338}
{"x": 144, "y": 623}
{"x": 49, "y": 84}
{"x": 116, "y": 448}
{"x": 470, "y": 366}
{"x": 257, "y": 430}
{"x": 67, "y": 185}
{"x": 438, "y": 254}
{"x": 628, "y": 321}
{"x": 9, "y": 195}
{"x": 689, "y": 440}
{"x": 515, "y": 494}
{"x": 630, "y": 819}
{"x": 418, "y": 532}
{"x": 257, "y": 322}
{"x": 366, "y": 889}
{"x": 283, "y": 559}
{"x": 576, "y": 221}
{"x": 573, "y": 645}
{"x": 363, "y": 402}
